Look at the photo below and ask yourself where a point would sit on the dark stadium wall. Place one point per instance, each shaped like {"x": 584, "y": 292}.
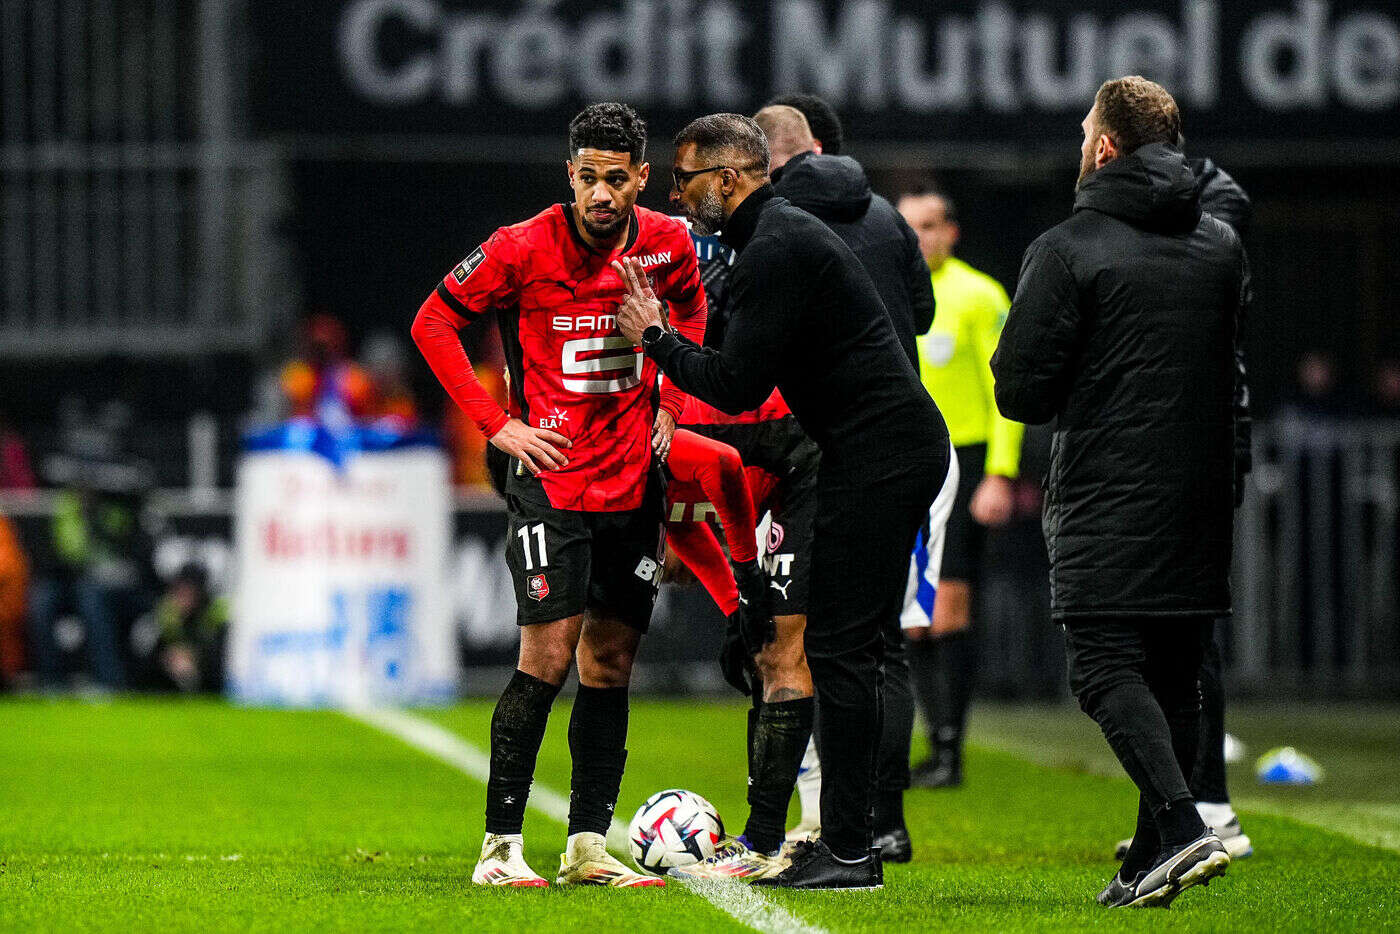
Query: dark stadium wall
{"x": 1323, "y": 268}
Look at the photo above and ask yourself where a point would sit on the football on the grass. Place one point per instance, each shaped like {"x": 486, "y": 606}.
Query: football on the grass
{"x": 674, "y": 828}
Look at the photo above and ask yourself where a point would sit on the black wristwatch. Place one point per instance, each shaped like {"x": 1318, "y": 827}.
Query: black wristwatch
{"x": 651, "y": 335}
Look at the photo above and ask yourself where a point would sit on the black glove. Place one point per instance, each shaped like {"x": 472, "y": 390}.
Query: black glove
{"x": 735, "y": 662}
{"x": 755, "y": 621}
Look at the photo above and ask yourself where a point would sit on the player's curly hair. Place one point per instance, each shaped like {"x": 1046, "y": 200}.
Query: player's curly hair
{"x": 611, "y": 127}
{"x": 1133, "y": 111}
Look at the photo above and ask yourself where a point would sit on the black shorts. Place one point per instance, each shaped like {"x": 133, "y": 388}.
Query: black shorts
{"x": 783, "y": 449}
{"x": 564, "y": 562}
{"x": 962, "y": 546}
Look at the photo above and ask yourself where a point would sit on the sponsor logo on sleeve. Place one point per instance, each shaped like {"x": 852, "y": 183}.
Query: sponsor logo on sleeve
{"x": 468, "y": 266}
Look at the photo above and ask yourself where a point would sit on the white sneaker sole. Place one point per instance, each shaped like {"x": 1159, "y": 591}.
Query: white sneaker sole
{"x": 1200, "y": 874}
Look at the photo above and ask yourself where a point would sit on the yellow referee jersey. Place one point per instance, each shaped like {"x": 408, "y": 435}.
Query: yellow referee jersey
{"x": 955, "y": 363}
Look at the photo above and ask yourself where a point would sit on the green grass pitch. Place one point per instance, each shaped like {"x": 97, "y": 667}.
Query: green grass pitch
{"x": 165, "y": 815}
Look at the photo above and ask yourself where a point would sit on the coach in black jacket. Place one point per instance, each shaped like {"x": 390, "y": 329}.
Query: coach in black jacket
{"x": 836, "y": 191}
{"x": 804, "y": 315}
{"x": 1123, "y": 327}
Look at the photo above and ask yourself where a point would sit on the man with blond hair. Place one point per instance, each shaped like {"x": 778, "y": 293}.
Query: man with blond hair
{"x": 1123, "y": 329}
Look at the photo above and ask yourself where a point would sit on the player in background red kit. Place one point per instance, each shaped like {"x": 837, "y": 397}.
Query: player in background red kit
{"x": 708, "y": 477}
{"x": 585, "y": 541}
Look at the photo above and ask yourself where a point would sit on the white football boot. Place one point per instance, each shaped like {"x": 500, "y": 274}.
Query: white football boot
{"x": 502, "y": 862}
{"x": 734, "y": 861}
{"x": 586, "y": 861}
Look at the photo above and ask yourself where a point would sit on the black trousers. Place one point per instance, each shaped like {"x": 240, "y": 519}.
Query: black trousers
{"x": 892, "y": 759}
{"x": 1208, "y": 778}
{"x": 1137, "y": 677}
{"x": 864, "y": 532}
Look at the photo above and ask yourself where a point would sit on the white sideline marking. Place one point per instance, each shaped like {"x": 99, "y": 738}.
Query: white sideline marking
{"x": 741, "y": 902}
{"x": 750, "y": 907}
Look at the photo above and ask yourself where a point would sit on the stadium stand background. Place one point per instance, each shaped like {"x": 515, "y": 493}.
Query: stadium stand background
{"x": 184, "y": 182}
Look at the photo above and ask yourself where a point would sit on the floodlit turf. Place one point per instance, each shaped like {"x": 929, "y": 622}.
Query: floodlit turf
{"x": 141, "y": 815}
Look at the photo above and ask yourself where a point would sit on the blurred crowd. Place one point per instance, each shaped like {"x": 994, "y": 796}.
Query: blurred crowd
{"x": 81, "y": 605}
{"x": 1320, "y": 395}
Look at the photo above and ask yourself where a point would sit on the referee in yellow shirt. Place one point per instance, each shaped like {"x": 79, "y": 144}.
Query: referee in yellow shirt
{"x": 954, "y": 358}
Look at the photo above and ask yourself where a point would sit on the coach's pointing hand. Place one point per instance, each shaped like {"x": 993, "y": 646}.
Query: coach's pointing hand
{"x": 640, "y": 308}
{"x": 536, "y": 448}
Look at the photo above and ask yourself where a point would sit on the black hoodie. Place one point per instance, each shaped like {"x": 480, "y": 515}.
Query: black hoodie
{"x": 835, "y": 189}
{"x": 1224, "y": 199}
{"x": 1123, "y": 328}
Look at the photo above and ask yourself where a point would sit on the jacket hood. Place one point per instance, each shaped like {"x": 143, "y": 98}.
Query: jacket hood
{"x": 1152, "y": 188}
{"x": 1222, "y": 196}
{"x": 834, "y": 188}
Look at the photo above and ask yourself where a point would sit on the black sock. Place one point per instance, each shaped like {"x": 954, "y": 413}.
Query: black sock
{"x": 1178, "y": 822}
{"x": 955, "y": 686}
{"x": 598, "y": 745}
{"x": 517, "y": 728}
{"x": 757, "y": 705}
{"x": 779, "y": 742}
{"x": 889, "y": 812}
{"x": 923, "y": 674}
{"x": 1147, "y": 843}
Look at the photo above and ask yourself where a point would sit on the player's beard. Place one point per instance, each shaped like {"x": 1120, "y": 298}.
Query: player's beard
{"x": 707, "y": 217}
{"x": 605, "y": 231}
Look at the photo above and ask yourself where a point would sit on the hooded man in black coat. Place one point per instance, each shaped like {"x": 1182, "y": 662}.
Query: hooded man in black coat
{"x": 1124, "y": 327}
{"x": 1224, "y": 199}
{"x": 835, "y": 190}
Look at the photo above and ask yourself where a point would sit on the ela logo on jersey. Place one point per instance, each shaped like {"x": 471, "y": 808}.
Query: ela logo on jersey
{"x": 554, "y": 419}
{"x": 468, "y": 266}
{"x": 537, "y": 586}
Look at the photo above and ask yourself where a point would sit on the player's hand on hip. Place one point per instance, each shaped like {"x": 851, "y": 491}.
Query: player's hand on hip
{"x": 662, "y": 431}
{"x": 539, "y": 449}
{"x": 640, "y": 308}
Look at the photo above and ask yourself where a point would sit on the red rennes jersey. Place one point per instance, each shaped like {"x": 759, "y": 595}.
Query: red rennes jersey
{"x": 570, "y": 370}
{"x": 697, "y": 412}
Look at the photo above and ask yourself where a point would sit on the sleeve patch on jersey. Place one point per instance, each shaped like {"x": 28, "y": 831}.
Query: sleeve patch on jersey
{"x": 468, "y": 265}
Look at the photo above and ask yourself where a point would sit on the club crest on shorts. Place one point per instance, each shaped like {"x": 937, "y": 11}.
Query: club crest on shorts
{"x": 775, "y": 537}
{"x": 537, "y": 587}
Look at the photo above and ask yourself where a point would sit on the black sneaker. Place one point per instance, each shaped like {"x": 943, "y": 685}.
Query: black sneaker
{"x": 815, "y": 867}
{"x": 894, "y": 846}
{"x": 1194, "y": 863}
{"x": 1118, "y": 893}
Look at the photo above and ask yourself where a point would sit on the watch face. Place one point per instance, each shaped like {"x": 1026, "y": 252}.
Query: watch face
{"x": 651, "y": 335}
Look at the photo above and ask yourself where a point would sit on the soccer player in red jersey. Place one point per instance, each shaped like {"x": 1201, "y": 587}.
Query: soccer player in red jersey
{"x": 585, "y": 541}
{"x": 708, "y": 478}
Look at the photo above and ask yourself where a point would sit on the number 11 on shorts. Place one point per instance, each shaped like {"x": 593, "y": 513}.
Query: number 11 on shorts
{"x": 538, "y": 531}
